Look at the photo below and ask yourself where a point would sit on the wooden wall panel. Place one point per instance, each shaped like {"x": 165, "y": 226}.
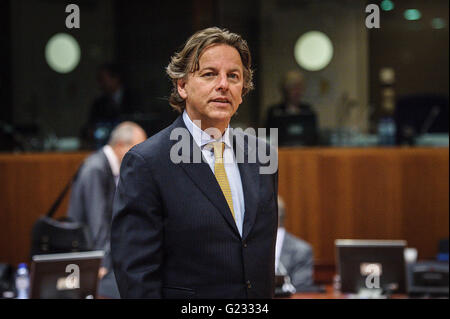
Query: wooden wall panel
{"x": 380, "y": 193}
{"x": 390, "y": 193}
{"x": 425, "y": 201}
{"x": 29, "y": 184}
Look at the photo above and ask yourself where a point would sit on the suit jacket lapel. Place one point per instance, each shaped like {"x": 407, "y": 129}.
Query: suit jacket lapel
{"x": 204, "y": 179}
{"x": 250, "y": 185}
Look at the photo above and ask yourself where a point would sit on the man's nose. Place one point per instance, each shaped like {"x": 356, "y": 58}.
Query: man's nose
{"x": 222, "y": 82}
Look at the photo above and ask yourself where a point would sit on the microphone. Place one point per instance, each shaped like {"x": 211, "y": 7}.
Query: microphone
{"x": 429, "y": 120}
{"x": 287, "y": 286}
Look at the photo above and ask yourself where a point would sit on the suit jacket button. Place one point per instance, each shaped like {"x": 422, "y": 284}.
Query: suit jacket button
{"x": 245, "y": 245}
{"x": 249, "y": 285}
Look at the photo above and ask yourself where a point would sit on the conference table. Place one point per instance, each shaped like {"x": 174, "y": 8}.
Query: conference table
{"x": 331, "y": 293}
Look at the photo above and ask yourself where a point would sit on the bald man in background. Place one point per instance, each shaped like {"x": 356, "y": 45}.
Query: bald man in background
{"x": 93, "y": 193}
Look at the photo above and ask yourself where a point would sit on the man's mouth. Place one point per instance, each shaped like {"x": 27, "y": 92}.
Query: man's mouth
{"x": 220, "y": 100}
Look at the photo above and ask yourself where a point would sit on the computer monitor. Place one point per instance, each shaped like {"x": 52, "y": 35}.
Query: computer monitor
{"x": 296, "y": 130}
{"x": 371, "y": 265}
{"x": 65, "y": 276}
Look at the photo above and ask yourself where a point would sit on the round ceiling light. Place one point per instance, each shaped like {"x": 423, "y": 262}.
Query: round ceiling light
{"x": 62, "y": 53}
{"x": 313, "y": 51}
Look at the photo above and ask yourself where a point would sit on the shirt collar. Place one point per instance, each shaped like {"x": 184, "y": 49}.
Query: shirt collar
{"x": 279, "y": 245}
{"x": 202, "y": 138}
{"x": 281, "y": 231}
{"x": 112, "y": 160}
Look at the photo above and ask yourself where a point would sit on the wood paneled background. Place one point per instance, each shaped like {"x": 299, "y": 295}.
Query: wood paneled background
{"x": 380, "y": 193}
{"x": 29, "y": 184}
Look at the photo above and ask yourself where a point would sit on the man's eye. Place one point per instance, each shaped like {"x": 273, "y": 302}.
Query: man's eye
{"x": 208, "y": 74}
{"x": 234, "y": 76}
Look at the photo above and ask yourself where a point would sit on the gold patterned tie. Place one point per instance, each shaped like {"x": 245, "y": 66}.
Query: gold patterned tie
{"x": 221, "y": 175}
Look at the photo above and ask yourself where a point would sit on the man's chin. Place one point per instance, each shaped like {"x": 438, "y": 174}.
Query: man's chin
{"x": 221, "y": 115}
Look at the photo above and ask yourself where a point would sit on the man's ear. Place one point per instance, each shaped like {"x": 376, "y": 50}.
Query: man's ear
{"x": 181, "y": 87}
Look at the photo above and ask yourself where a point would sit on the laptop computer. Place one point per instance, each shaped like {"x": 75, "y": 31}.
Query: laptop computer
{"x": 65, "y": 276}
{"x": 371, "y": 265}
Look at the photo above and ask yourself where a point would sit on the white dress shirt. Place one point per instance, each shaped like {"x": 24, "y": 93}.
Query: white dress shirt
{"x": 279, "y": 245}
{"x": 202, "y": 138}
{"x": 113, "y": 162}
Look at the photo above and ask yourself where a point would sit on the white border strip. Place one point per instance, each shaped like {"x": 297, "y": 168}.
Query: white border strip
{"x": 70, "y": 256}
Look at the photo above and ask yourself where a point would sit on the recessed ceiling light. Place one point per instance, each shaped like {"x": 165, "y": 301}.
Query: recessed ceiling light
{"x": 313, "y": 51}
{"x": 387, "y": 5}
{"x": 412, "y": 14}
{"x": 62, "y": 53}
{"x": 438, "y": 23}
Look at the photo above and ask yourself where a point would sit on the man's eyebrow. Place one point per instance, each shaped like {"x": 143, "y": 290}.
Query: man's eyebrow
{"x": 207, "y": 68}
{"x": 215, "y": 69}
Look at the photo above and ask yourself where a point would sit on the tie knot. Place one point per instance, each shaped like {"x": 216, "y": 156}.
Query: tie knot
{"x": 218, "y": 148}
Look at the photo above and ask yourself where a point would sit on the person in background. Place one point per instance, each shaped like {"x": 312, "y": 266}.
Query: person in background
{"x": 294, "y": 257}
{"x": 93, "y": 193}
{"x": 115, "y": 103}
{"x": 292, "y": 88}
{"x": 116, "y": 98}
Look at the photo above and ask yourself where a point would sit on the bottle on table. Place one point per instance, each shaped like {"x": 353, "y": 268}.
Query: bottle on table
{"x": 22, "y": 281}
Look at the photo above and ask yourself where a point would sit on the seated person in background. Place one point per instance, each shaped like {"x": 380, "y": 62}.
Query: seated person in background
{"x": 115, "y": 102}
{"x": 292, "y": 88}
{"x": 93, "y": 193}
{"x": 294, "y": 257}
{"x": 296, "y": 121}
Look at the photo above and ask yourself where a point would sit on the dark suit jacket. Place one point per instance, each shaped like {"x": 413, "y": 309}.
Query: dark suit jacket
{"x": 173, "y": 235}
{"x": 92, "y": 197}
{"x": 90, "y": 203}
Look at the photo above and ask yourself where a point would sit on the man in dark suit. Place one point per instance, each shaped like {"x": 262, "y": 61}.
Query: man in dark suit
{"x": 93, "y": 193}
{"x": 191, "y": 218}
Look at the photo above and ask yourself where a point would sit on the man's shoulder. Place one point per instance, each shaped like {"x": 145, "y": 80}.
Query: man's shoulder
{"x": 94, "y": 165}
{"x": 95, "y": 161}
{"x": 297, "y": 243}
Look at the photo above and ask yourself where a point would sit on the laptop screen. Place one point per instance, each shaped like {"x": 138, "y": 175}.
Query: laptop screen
{"x": 371, "y": 264}
{"x": 65, "y": 276}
